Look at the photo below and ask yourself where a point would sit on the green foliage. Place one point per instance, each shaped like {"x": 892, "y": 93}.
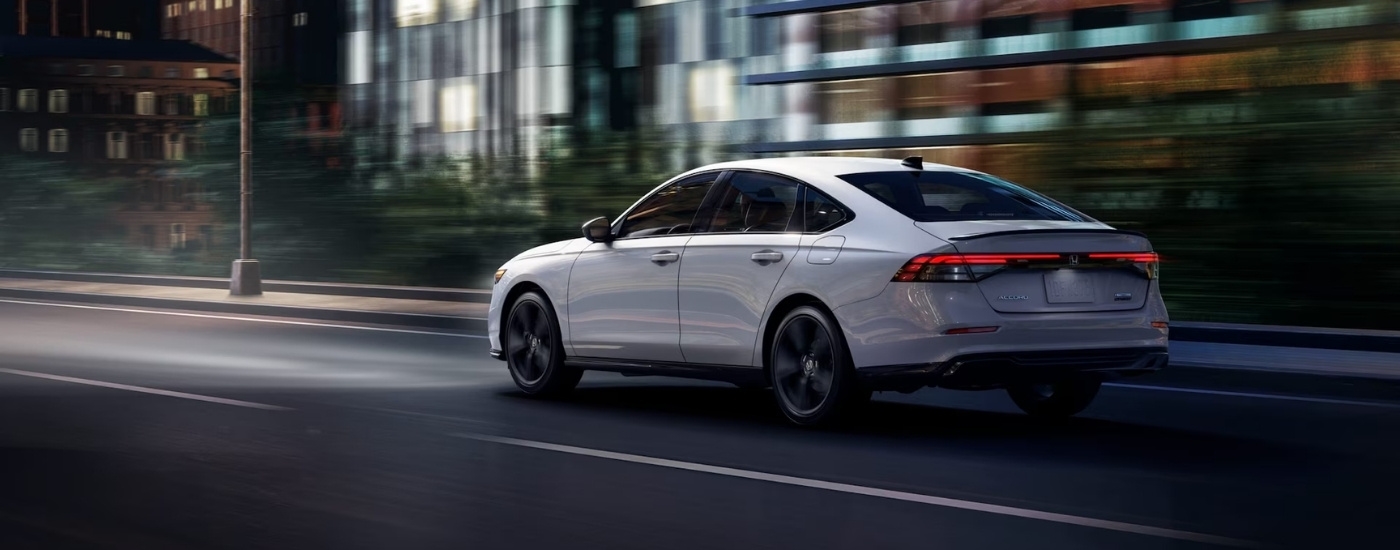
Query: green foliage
{"x": 1277, "y": 205}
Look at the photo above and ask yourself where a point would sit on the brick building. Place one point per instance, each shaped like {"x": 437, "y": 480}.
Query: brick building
{"x": 295, "y": 42}
{"x": 127, "y": 110}
{"x": 116, "y": 19}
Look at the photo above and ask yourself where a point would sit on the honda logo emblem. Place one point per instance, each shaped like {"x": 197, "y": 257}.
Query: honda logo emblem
{"x": 1073, "y": 259}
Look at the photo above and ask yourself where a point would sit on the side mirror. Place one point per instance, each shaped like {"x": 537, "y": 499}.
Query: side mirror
{"x": 598, "y": 230}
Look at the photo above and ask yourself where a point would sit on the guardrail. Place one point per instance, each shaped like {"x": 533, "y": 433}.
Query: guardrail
{"x": 1218, "y": 333}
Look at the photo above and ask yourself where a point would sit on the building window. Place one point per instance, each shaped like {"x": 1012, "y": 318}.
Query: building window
{"x": 87, "y": 70}
{"x": 174, "y": 147}
{"x": 229, "y": 75}
{"x": 58, "y": 101}
{"x": 148, "y": 236}
{"x": 99, "y": 33}
{"x": 172, "y": 104}
{"x": 146, "y": 103}
{"x": 28, "y": 100}
{"x": 1103, "y": 17}
{"x": 458, "y": 107}
{"x": 172, "y": 72}
{"x": 1194, "y": 10}
{"x": 145, "y": 72}
{"x": 177, "y": 236}
{"x": 299, "y": 19}
{"x": 851, "y": 101}
{"x": 919, "y": 23}
{"x": 57, "y": 68}
{"x": 408, "y": 13}
{"x": 844, "y": 30}
{"x": 201, "y": 72}
{"x": 58, "y": 141}
{"x": 191, "y": 6}
{"x": 172, "y": 10}
{"x": 4, "y": 99}
{"x": 29, "y": 140}
{"x": 1001, "y": 27}
{"x": 201, "y": 104}
{"x": 116, "y": 70}
{"x": 116, "y": 145}
{"x": 121, "y": 35}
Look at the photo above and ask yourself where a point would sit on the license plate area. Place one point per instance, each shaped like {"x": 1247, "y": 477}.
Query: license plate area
{"x": 1068, "y": 286}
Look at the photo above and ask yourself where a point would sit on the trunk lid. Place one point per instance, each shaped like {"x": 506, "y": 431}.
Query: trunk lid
{"x": 1072, "y": 280}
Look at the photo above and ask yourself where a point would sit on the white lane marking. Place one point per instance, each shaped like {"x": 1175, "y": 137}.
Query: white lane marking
{"x": 250, "y": 319}
{"x": 1261, "y": 396}
{"x": 140, "y": 389}
{"x": 872, "y": 492}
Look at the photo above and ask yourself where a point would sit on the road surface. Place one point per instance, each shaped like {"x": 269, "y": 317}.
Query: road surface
{"x": 149, "y": 430}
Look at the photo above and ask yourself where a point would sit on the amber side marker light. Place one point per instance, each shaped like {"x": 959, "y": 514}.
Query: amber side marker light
{"x": 1159, "y": 324}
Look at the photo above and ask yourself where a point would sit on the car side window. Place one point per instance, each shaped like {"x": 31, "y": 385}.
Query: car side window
{"x": 669, "y": 211}
{"x": 753, "y": 202}
{"x": 820, "y": 213}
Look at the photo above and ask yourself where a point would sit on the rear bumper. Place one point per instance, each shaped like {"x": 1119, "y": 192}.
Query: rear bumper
{"x": 995, "y": 370}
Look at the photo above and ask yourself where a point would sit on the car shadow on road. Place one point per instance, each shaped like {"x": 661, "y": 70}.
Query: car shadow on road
{"x": 925, "y": 427}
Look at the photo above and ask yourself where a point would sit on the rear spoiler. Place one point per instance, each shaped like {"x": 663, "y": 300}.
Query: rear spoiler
{"x": 1043, "y": 231}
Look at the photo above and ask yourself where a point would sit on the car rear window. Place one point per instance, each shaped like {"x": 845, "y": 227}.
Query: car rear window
{"x": 935, "y": 196}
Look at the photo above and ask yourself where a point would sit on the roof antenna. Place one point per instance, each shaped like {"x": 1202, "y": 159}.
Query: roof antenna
{"x": 916, "y": 163}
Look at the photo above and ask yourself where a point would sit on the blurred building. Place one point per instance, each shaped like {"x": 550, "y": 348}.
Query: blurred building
{"x": 296, "y": 44}
{"x": 457, "y": 77}
{"x": 982, "y": 83}
{"x": 118, "y": 19}
{"x": 128, "y": 111}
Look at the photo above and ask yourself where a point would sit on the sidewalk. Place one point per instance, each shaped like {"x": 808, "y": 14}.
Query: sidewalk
{"x": 470, "y": 316}
{"x": 419, "y": 313}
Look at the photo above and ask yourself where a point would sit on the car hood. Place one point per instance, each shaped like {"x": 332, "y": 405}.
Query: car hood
{"x": 948, "y": 230}
{"x": 546, "y": 249}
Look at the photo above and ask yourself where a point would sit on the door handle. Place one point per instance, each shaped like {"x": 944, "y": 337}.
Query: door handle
{"x": 767, "y": 257}
{"x": 664, "y": 258}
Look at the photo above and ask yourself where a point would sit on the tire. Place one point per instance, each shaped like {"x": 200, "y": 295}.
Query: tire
{"x": 1061, "y": 399}
{"x": 813, "y": 380}
{"x": 534, "y": 351}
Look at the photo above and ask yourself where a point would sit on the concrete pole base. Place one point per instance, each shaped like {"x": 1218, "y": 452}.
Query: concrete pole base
{"x": 246, "y": 280}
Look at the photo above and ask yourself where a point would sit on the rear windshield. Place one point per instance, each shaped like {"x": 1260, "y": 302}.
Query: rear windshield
{"x": 934, "y": 196}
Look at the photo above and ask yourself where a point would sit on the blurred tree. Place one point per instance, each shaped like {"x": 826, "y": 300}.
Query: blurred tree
{"x": 57, "y": 216}
{"x": 602, "y": 174}
{"x": 311, "y": 221}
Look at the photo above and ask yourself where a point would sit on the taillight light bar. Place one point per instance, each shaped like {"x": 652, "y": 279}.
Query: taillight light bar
{"x": 955, "y": 267}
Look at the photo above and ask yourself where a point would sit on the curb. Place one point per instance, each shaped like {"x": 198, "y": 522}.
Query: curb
{"x": 440, "y": 322}
{"x": 295, "y": 287}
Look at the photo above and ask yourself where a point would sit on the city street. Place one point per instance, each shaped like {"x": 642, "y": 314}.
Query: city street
{"x": 128, "y": 428}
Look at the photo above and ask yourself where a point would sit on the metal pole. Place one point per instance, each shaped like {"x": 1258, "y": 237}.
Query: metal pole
{"x": 245, "y": 128}
{"x": 247, "y": 277}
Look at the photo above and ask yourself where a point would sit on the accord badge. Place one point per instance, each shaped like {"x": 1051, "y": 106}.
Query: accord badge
{"x": 1013, "y": 297}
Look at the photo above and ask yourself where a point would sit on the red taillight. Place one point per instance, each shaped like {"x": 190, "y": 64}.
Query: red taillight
{"x": 975, "y": 267}
{"x": 962, "y": 267}
{"x": 1147, "y": 262}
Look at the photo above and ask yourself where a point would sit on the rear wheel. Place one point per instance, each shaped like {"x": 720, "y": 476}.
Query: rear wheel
{"x": 534, "y": 351}
{"x": 812, "y": 375}
{"x": 1060, "y": 399}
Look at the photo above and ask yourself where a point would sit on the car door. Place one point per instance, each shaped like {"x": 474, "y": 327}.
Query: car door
{"x": 732, "y": 264}
{"x": 622, "y": 294}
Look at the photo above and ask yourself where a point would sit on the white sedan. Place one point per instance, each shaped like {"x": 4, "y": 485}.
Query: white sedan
{"x": 828, "y": 278}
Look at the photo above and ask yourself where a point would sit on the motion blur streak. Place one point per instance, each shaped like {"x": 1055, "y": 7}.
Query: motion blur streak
{"x": 248, "y": 319}
{"x": 873, "y": 492}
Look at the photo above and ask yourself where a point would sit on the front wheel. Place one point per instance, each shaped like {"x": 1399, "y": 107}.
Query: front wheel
{"x": 811, "y": 372}
{"x": 534, "y": 351}
{"x": 1059, "y": 399}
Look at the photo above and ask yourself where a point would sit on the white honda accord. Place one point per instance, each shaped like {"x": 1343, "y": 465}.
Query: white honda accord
{"x": 828, "y": 278}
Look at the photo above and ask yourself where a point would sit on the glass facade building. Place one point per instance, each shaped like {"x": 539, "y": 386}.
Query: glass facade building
{"x": 983, "y": 83}
{"x": 427, "y": 78}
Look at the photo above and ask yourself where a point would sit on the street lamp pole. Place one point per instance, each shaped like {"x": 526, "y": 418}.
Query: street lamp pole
{"x": 247, "y": 277}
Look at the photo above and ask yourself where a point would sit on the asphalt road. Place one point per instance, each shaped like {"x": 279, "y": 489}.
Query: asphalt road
{"x": 130, "y": 429}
